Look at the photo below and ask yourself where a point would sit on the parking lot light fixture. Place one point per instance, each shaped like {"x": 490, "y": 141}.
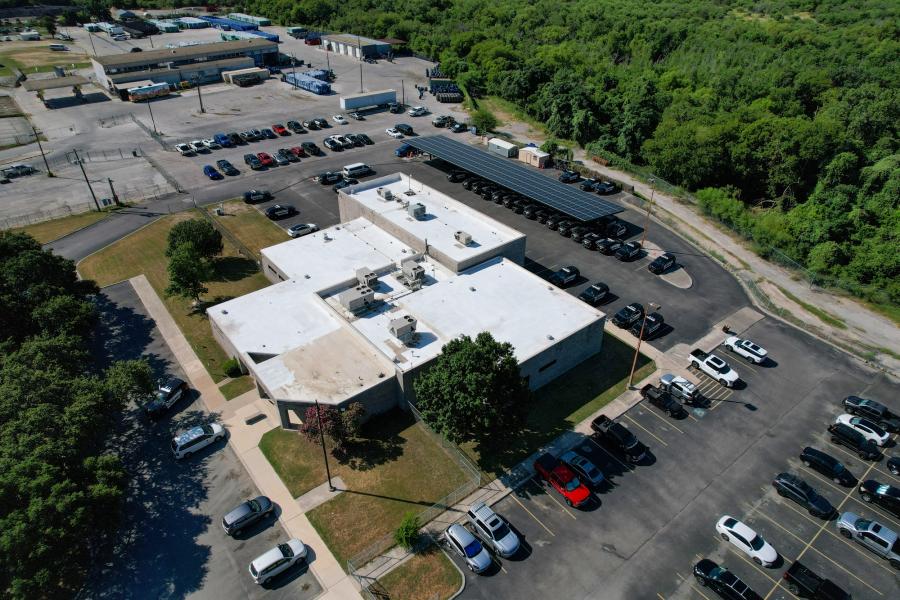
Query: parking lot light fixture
{"x": 637, "y": 350}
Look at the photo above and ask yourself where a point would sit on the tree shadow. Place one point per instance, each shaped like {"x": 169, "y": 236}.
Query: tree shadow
{"x": 233, "y": 268}
{"x": 379, "y": 441}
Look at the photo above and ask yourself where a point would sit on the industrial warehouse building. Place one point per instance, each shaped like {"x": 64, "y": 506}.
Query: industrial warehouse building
{"x": 356, "y": 46}
{"x": 357, "y": 310}
{"x": 203, "y": 63}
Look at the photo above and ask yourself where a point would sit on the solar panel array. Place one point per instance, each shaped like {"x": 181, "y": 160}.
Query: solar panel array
{"x": 568, "y": 199}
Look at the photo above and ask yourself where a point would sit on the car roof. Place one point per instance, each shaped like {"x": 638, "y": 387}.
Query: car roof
{"x": 267, "y": 558}
{"x": 172, "y": 383}
{"x": 743, "y": 530}
{"x": 190, "y": 434}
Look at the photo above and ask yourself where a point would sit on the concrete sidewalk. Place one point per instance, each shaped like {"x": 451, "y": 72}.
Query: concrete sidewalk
{"x": 246, "y": 421}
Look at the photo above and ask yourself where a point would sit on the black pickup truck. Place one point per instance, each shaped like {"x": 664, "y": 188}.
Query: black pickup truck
{"x": 804, "y": 583}
{"x": 617, "y": 435}
{"x": 664, "y": 401}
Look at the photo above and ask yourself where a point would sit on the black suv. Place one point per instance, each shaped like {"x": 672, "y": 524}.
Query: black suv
{"x": 619, "y": 436}
{"x": 790, "y": 486}
{"x": 569, "y": 177}
{"x": 873, "y": 411}
{"x": 166, "y": 396}
{"x": 457, "y": 176}
{"x": 662, "y": 263}
{"x": 608, "y": 246}
{"x": 628, "y": 251}
{"x": 605, "y": 188}
{"x": 328, "y": 177}
{"x": 531, "y": 211}
{"x": 595, "y": 294}
{"x": 404, "y": 128}
{"x": 280, "y": 211}
{"x": 828, "y": 466}
{"x": 652, "y": 326}
{"x": 844, "y": 435}
{"x": 725, "y": 583}
{"x": 565, "y": 228}
{"x": 554, "y": 220}
{"x": 627, "y": 316}
{"x": 885, "y": 496}
{"x": 565, "y": 277}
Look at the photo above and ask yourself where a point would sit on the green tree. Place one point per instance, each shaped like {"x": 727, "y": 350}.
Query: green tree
{"x": 352, "y": 418}
{"x": 206, "y": 239}
{"x": 483, "y": 120}
{"x": 407, "y": 534}
{"x": 473, "y": 391}
{"x": 188, "y": 269}
{"x": 332, "y": 425}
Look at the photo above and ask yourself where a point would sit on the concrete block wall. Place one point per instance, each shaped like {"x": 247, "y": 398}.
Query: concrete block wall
{"x": 565, "y": 354}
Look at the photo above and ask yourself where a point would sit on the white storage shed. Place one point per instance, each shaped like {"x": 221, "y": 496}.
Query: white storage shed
{"x": 502, "y": 147}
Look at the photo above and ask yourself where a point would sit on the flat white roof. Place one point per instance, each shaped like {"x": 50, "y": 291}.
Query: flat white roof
{"x": 444, "y": 217}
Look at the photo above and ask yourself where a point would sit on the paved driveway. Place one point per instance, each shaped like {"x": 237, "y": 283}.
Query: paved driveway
{"x": 171, "y": 544}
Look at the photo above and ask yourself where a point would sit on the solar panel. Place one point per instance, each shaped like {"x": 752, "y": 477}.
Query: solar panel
{"x": 565, "y": 198}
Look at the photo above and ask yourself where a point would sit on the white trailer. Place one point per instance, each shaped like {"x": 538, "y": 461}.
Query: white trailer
{"x": 378, "y": 98}
{"x": 503, "y": 148}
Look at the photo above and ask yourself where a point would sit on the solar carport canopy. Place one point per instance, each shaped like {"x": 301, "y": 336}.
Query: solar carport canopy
{"x": 516, "y": 177}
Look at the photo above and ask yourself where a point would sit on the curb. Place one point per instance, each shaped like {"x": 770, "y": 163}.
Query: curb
{"x": 62, "y": 237}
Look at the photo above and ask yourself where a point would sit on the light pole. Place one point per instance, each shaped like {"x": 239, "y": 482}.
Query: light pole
{"x": 152, "y": 120}
{"x": 324, "y": 452}
{"x": 637, "y": 349}
{"x": 86, "y": 180}
{"x": 649, "y": 208}
{"x": 200, "y": 96}
{"x": 37, "y": 138}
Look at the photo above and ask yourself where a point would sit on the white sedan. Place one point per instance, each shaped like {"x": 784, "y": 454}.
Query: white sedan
{"x": 301, "y": 229}
{"x": 417, "y": 111}
{"x": 393, "y": 133}
{"x": 747, "y": 540}
{"x": 198, "y": 146}
{"x": 867, "y": 428}
{"x": 211, "y": 144}
{"x": 184, "y": 149}
{"x": 752, "y": 352}
{"x": 340, "y": 119}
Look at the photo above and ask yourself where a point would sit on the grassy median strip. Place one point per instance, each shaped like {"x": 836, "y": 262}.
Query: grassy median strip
{"x": 56, "y": 228}
{"x": 236, "y": 387}
{"x": 428, "y": 575}
{"x": 249, "y": 226}
{"x": 144, "y": 252}
{"x": 560, "y": 405}
{"x": 395, "y": 467}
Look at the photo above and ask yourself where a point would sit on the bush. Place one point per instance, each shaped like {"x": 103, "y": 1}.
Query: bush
{"x": 232, "y": 368}
{"x": 408, "y": 533}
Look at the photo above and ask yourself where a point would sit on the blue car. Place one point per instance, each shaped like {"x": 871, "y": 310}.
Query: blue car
{"x": 403, "y": 150}
{"x": 211, "y": 172}
{"x": 223, "y": 140}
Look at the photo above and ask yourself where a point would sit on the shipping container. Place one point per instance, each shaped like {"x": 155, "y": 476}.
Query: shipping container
{"x": 368, "y": 99}
{"x": 310, "y": 84}
{"x": 502, "y": 147}
{"x": 297, "y": 32}
{"x": 259, "y": 21}
{"x": 229, "y": 24}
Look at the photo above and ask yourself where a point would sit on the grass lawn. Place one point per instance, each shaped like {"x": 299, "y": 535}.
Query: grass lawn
{"x": 824, "y": 316}
{"x": 236, "y": 387}
{"x": 395, "y": 467}
{"x": 428, "y": 575}
{"x": 144, "y": 252}
{"x": 560, "y": 405}
{"x": 51, "y": 230}
{"x": 249, "y": 226}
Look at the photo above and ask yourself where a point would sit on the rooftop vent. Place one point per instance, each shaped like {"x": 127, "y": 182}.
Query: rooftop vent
{"x": 463, "y": 238}
{"x": 416, "y": 211}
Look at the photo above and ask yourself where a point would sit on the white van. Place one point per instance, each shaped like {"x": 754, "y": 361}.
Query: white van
{"x": 277, "y": 560}
{"x": 185, "y": 444}
{"x": 356, "y": 170}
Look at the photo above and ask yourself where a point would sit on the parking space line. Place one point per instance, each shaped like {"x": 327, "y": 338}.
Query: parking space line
{"x": 664, "y": 420}
{"x": 560, "y": 504}
{"x": 525, "y": 508}
{"x": 627, "y": 468}
{"x": 681, "y": 577}
{"x": 659, "y": 439}
{"x": 842, "y": 451}
{"x": 748, "y": 561}
{"x": 660, "y": 596}
{"x": 822, "y": 479}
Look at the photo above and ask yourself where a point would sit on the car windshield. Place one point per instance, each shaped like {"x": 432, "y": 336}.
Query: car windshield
{"x": 593, "y": 473}
{"x": 285, "y": 550}
{"x": 160, "y": 395}
{"x": 473, "y": 549}
{"x": 501, "y": 532}
{"x": 573, "y": 484}
{"x": 207, "y": 429}
{"x": 254, "y": 505}
{"x": 757, "y": 543}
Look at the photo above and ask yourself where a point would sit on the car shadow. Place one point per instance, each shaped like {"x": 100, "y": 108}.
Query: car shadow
{"x": 260, "y": 526}
{"x": 768, "y": 363}
{"x": 291, "y": 575}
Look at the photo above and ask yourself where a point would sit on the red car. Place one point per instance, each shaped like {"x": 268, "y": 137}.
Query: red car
{"x": 265, "y": 159}
{"x": 297, "y": 151}
{"x": 562, "y": 478}
{"x": 280, "y": 129}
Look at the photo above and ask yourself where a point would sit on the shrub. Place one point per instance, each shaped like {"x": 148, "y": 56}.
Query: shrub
{"x": 408, "y": 533}
{"x": 232, "y": 367}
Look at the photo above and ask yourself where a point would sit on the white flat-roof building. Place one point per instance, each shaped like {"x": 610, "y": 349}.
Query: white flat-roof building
{"x": 356, "y": 310}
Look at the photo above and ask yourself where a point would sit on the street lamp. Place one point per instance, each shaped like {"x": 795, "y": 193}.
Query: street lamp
{"x": 653, "y": 307}
{"x": 649, "y": 208}
{"x": 331, "y": 487}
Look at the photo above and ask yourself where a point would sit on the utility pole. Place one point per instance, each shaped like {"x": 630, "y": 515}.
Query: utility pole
{"x": 152, "y": 120}
{"x": 324, "y": 452}
{"x": 403, "y": 93}
{"x": 150, "y": 37}
{"x": 41, "y": 148}
{"x": 200, "y": 96}
{"x": 86, "y": 180}
{"x": 637, "y": 350}
{"x": 649, "y": 208}
{"x": 91, "y": 37}
{"x": 112, "y": 190}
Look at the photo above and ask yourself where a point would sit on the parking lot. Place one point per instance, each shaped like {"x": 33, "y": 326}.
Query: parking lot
{"x": 647, "y": 528}
{"x": 171, "y": 543}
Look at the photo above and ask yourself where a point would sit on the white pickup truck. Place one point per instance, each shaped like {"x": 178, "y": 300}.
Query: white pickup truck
{"x": 715, "y": 367}
{"x": 747, "y": 349}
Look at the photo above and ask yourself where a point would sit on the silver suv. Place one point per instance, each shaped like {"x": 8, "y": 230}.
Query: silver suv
{"x": 493, "y": 529}
{"x": 467, "y": 546}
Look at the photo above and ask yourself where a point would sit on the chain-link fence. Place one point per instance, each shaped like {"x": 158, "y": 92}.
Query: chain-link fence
{"x": 106, "y": 155}
{"x": 241, "y": 248}
{"x": 39, "y": 216}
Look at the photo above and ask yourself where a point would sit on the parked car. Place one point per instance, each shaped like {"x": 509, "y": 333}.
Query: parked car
{"x": 167, "y": 394}
{"x": 530, "y": 212}
{"x": 569, "y": 177}
{"x": 404, "y": 151}
{"x": 310, "y": 124}
{"x": 366, "y": 139}
{"x": 253, "y": 162}
{"x": 543, "y": 215}
{"x": 301, "y": 229}
{"x": 395, "y": 107}
{"x": 340, "y": 119}
{"x": 355, "y": 139}
{"x": 184, "y": 150}
{"x": 297, "y": 151}
{"x": 828, "y": 466}
{"x": 227, "y": 168}
{"x": 211, "y": 144}
{"x": 345, "y": 182}
{"x": 714, "y": 366}
{"x": 804, "y": 583}
{"x": 679, "y": 387}
{"x": 296, "y": 127}
{"x": 584, "y": 468}
{"x": 223, "y": 140}
{"x": 355, "y": 115}
{"x": 884, "y": 495}
{"x": 493, "y": 529}
{"x": 255, "y": 196}
{"x": 393, "y": 133}
{"x": 617, "y": 435}
{"x": 628, "y": 315}
{"x": 322, "y": 123}
{"x": 332, "y": 144}
{"x": 794, "y": 488}
{"x": 742, "y": 537}
{"x": 199, "y": 147}
{"x": 268, "y": 134}
{"x": 280, "y": 159}
{"x": 725, "y": 583}
{"x": 652, "y": 326}
{"x": 289, "y": 155}
{"x": 246, "y": 514}
{"x": 211, "y": 172}
{"x": 328, "y": 177}
{"x": 468, "y": 548}
{"x": 280, "y": 211}
{"x": 873, "y": 411}
{"x": 608, "y": 246}
{"x": 280, "y": 129}
{"x": 277, "y": 560}
{"x": 345, "y": 143}
{"x": 613, "y": 227}
{"x": 457, "y": 176}
{"x": 196, "y": 438}
{"x": 844, "y": 435}
{"x": 628, "y": 251}
{"x": 235, "y": 139}
{"x": 606, "y": 188}
{"x": 554, "y": 220}
{"x": 662, "y": 263}
{"x": 417, "y": 111}
{"x": 663, "y": 400}
{"x": 404, "y": 128}
{"x": 871, "y": 534}
{"x": 752, "y": 352}
{"x": 442, "y": 121}
{"x": 893, "y": 465}
{"x": 867, "y": 428}
{"x": 458, "y": 127}
{"x": 587, "y": 185}
{"x": 265, "y": 159}
{"x": 561, "y": 478}
{"x": 595, "y": 294}
{"x": 565, "y": 276}
{"x": 312, "y": 149}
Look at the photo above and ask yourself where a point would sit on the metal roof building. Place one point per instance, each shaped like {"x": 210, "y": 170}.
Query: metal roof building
{"x": 355, "y": 45}
{"x": 567, "y": 199}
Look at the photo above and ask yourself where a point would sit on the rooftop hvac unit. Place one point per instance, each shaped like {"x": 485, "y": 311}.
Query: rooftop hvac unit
{"x": 416, "y": 211}
{"x": 385, "y": 194}
{"x": 403, "y": 327}
{"x": 357, "y": 298}
{"x": 463, "y": 238}
{"x": 365, "y": 276}
{"x": 413, "y": 271}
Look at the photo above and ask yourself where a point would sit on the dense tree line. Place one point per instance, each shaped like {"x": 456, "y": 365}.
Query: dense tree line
{"x": 789, "y": 108}
{"x": 60, "y": 487}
